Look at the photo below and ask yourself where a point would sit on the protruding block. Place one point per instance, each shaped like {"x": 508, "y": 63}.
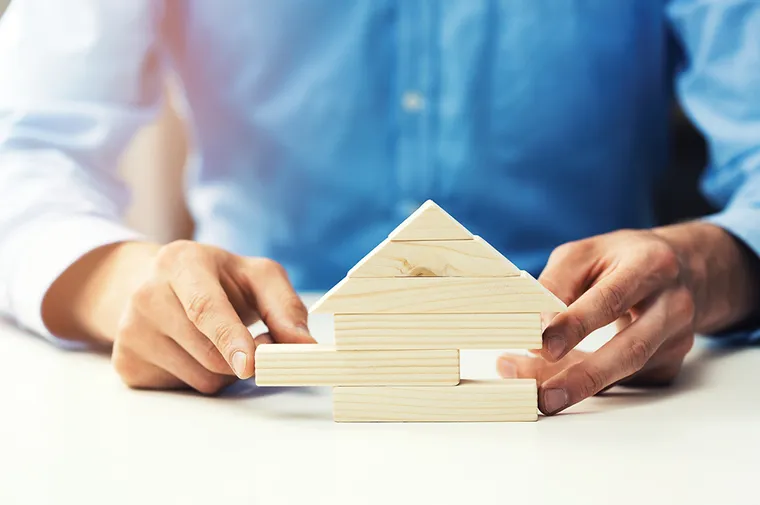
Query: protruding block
{"x": 456, "y": 295}
{"x": 438, "y": 331}
{"x": 470, "y": 401}
{"x": 435, "y": 258}
{"x": 325, "y": 365}
{"x": 430, "y": 222}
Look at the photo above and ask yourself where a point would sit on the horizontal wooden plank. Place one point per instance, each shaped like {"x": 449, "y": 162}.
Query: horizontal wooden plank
{"x": 325, "y": 365}
{"x": 430, "y": 222}
{"x": 434, "y": 258}
{"x": 438, "y": 331}
{"x": 419, "y": 295}
{"x": 470, "y": 401}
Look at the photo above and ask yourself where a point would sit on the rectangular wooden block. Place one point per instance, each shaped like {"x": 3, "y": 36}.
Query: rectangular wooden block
{"x": 325, "y": 365}
{"x": 460, "y": 295}
{"x": 435, "y": 258}
{"x": 470, "y": 401}
{"x": 438, "y": 331}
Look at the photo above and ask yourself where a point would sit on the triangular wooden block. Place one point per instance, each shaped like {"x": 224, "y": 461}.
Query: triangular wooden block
{"x": 430, "y": 222}
{"x": 456, "y": 274}
{"x": 434, "y": 258}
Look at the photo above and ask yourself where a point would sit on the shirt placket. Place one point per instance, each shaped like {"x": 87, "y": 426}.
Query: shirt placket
{"x": 415, "y": 169}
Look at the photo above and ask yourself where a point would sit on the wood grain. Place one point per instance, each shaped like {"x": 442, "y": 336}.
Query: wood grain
{"x": 418, "y": 295}
{"x": 325, "y": 365}
{"x": 434, "y": 258}
{"x": 430, "y": 222}
{"x": 438, "y": 331}
{"x": 470, "y": 401}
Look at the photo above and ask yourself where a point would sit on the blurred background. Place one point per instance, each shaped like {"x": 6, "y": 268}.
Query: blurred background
{"x": 153, "y": 167}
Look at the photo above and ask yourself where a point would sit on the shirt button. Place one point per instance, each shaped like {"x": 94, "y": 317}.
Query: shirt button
{"x": 413, "y": 101}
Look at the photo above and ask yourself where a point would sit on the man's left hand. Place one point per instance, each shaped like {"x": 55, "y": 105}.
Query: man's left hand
{"x": 652, "y": 283}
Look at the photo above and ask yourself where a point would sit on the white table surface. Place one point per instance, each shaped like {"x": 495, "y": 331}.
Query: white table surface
{"x": 70, "y": 432}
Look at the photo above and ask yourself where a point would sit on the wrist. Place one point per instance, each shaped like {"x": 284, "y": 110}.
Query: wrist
{"x": 718, "y": 269}
{"x": 87, "y": 300}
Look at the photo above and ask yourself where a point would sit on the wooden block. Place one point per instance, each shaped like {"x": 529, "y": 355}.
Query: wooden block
{"x": 324, "y": 365}
{"x": 430, "y": 222}
{"x": 470, "y": 401}
{"x": 438, "y": 331}
{"x": 460, "y": 295}
{"x": 434, "y": 258}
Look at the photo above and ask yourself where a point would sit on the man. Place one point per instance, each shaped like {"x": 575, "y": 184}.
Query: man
{"x": 320, "y": 125}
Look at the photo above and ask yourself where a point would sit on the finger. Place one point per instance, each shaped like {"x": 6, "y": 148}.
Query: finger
{"x": 172, "y": 321}
{"x": 567, "y": 271}
{"x": 175, "y": 360}
{"x": 264, "y": 338}
{"x": 602, "y": 304}
{"x": 164, "y": 353}
{"x": 137, "y": 373}
{"x": 664, "y": 366}
{"x": 619, "y": 358}
{"x": 279, "y": 305}
{"x": 514, "y": 366}
{"x": 566, "y": 274}
{"x": 206, "y": 305}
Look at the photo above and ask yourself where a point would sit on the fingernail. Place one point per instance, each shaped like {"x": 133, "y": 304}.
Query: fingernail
{"x": 555, "y": 400}
{"x": 556, "y": 346}
{"x": 239, "y": 360}
{"x": 506, "y": 368}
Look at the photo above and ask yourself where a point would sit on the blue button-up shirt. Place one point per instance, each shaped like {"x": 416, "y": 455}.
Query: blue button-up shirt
{"x": 319, "y": 125}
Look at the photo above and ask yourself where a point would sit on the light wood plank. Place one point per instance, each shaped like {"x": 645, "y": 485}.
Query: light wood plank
{"x": 470, "y": 401}
{"x": 416, "y": 295}
{"x": 430, "y": 222}
{"x": 325, "y": 365}
{"x": 434, "y": 258}
{"x": 438, "y": 331}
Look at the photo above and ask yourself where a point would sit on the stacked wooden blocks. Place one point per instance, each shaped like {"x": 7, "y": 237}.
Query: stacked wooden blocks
{"x": 401, "y": 316}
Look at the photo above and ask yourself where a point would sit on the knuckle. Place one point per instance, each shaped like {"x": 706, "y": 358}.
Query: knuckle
{"x": 177, "y": 252}
{"x": 578, "y": 326}
{"x": 566, "y": 251}
{"x": 592, "y": 381}
{"x": 666, "y": 261}
{"x": 199, "y": 307}
{"x": 126, "y": 329}
{"x": 144, "y": 296}
{"x": 684, "y": 344}
{"x": 209, "y": 383}
{"x": 687, "y": 343}
{"x": 683, "y": 303}
{"x": 126, "y": 366}
{"x": 639, "y": 352}
{"x": 212, "y": 360}
{"x": 270, "y": 266}
{"x": 294, "y": 305}
{"x": 223, "y": 337}
{"x": 613, "y": 298}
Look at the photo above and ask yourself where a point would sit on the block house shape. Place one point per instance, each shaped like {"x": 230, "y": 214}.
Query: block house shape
{"x": 401, "y": 316}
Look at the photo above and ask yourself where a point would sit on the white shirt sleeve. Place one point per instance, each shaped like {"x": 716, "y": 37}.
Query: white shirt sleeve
{"x": 78, "y": 78}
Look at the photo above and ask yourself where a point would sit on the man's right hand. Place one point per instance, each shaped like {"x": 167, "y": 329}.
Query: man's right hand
{"x": 177, "y": 314}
